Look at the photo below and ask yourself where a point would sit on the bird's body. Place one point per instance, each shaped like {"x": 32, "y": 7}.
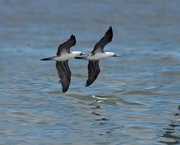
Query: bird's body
{"x": 97, "y": 54}
{"x": 67, "y": 56}
{"x": 62, "y": 56}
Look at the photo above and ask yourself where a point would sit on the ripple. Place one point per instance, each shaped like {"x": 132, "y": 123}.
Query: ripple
{"x": 135, "y": 98}
{"x": 139, "y": 92}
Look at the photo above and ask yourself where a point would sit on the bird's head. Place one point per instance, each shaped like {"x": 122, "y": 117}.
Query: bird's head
{"x": 116, "y": 55}
{"x": 78, "y": 54}
{"x": 111, "y": 54}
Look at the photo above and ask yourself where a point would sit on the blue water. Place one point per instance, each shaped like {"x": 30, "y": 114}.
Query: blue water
{"x": 134, "y": 101}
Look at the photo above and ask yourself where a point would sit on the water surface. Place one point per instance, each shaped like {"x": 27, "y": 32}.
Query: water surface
{"x": 135, "y": 99}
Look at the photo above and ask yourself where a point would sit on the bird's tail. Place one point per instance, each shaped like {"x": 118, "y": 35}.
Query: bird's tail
{"x": 78, "y": 57}
{"x": 48, "y": 58}
{"x": 82, "y": 56}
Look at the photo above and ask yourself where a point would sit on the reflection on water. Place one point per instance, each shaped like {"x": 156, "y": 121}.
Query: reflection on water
{"x": 135, "y": 99}
{"x": 171, "y": 134}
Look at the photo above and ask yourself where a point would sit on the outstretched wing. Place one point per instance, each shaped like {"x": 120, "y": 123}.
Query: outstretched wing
{"x": 65, "y": 47}
{"x": 64, "y": 74}
{"x": 105, "y": 40}
{"x": 93, "y": 72}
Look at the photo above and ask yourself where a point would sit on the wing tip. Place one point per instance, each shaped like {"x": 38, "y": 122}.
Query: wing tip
{"x": 73, "y": 37}
{"x": 87, "y": 85}
{"x": 89, "y": 82}
{"x": 109, "y": 33}
{"x": 64, "y": 90}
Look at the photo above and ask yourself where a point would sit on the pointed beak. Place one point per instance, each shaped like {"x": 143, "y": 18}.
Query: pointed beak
{"x": 116, "y": 55}
{"x": 81, "y": 56}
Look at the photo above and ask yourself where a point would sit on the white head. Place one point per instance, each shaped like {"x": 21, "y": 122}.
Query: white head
{"x": 111, "y": 54}
{"x": 77, "y": 53}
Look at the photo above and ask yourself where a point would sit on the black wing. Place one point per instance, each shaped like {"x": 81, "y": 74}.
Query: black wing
{"x": 64, "y": 74}
{"x": 105, "y": 40}
{"x": 66, "y": 45}
{"x": 93, "y": 72}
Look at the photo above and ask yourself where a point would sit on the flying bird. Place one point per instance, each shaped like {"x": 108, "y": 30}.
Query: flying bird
{"x": 62, "y": 56}
{"x": 97, "y": 54}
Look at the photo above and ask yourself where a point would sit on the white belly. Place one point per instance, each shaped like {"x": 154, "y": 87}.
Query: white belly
{"x": 97, "y": 56}
{"x": 63, "y": 57}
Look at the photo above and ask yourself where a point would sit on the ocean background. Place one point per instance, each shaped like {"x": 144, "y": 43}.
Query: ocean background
{"x": 135, "y": 99}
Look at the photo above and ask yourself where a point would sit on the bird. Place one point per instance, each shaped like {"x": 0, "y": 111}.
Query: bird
{"x": 62, "y": 56}
{"x": 97, "y": 54}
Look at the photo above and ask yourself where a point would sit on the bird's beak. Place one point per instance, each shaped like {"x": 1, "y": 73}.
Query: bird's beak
{"x": 116, "y": 55}
{"x": 81, "y": 56}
